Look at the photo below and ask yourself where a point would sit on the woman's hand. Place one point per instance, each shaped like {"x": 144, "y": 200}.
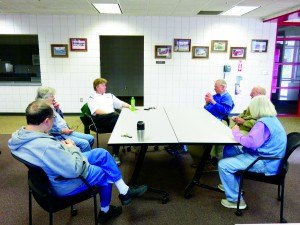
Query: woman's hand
{"x": 55, "y": 104}
{"x": 235, "y": 127}
{"x": 66, "y": 131}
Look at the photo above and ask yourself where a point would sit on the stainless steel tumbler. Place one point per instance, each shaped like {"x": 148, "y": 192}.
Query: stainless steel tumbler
{"x": 141, "y": 131}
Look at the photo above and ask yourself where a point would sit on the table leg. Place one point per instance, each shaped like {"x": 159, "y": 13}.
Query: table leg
{"x": 136, "y": 172}
{"x": 138, "y": 165}
{"x": 198, "y": 174}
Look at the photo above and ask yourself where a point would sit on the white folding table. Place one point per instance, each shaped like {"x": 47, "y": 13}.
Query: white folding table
{"x": 163, "y": 126}
{"x": 158, "y": 131}
{"x": 196, "y": 126}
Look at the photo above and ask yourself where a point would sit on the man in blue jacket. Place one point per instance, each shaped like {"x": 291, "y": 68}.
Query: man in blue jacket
{"x": 220, "y": 104}
{"x": 63, "y": 159}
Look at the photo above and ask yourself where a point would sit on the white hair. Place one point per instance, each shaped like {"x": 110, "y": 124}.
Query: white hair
{"x": 261, "y": 106}
{"x": 45, "y": 93}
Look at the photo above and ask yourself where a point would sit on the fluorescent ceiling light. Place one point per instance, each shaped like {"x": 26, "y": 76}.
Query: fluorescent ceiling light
{"x": 239, "y": 10}
{"x": 107, "y": 8}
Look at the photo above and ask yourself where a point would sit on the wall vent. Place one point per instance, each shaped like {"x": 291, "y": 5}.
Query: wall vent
{"x": 209, "y": 12}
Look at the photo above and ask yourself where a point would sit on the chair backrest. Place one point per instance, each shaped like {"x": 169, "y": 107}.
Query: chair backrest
{"x": 85, "y": 118}
{"x": 85, "y": 110}
{"x": 38, "y": 182}
{"x": 293, "y": 142}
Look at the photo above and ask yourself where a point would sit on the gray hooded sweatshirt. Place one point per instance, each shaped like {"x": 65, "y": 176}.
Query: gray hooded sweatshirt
{"x": 54, "y": 157}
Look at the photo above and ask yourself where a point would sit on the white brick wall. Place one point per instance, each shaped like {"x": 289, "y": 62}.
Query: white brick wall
{"x": 181, "y": 81}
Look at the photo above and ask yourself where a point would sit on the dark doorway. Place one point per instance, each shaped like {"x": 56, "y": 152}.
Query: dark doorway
{"x": 122, "y": 64}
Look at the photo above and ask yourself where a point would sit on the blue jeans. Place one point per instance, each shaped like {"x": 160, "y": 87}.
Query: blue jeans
{"x": 81, "y": 140}
{"x": 102, "y": 172}
{"x": 234, "y": 159}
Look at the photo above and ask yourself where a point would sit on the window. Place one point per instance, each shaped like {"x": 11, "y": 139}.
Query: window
{"x": 19, "y": 60}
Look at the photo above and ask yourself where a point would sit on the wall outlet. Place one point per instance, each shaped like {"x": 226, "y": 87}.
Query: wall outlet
{"x": 81, "y": 99}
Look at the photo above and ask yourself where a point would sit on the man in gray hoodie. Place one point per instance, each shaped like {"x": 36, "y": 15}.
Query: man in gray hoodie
{"x": 62, "y": 159}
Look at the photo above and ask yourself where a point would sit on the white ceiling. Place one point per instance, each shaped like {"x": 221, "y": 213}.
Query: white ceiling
{"x": 268, "y": 9}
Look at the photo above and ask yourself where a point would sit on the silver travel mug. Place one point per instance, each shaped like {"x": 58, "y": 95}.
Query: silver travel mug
{"x": 140, "y": 131}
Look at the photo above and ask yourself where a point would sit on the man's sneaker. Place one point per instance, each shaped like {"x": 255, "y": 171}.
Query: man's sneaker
{"x": 114, "y": 211}
{"x": 117, "y": 160}
{"x": 220, "y": 186}
{"x": 133, "y": 192}
{"x": 233, "y": 205}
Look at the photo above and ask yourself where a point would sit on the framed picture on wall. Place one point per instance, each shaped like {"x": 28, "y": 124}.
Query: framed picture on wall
{"x": 182, "y": 45}
{"x": 238, "y": 52}
{"x": 163, "y": 51}
{"x": 219, "y": 45}
{"x": 78, "y": 44}
{"x": 58, "y": 50}
{"x": 200, "y": 52}
{"x": 259, "y": 45}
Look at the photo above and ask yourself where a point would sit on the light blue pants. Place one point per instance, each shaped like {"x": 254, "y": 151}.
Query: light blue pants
{"x": 102, "y": 172}
{"x": 234, "y": 159}
{"x": 81, "y": 140}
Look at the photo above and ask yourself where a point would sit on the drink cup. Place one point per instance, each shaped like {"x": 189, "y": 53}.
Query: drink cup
{"x": 141, "y": 131}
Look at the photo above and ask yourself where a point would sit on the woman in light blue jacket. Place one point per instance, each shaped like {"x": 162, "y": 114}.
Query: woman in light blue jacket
{"x": 60, "y": 128}
{"x": 266, "y": 138}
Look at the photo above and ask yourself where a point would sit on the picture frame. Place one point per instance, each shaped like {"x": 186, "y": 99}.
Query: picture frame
{"x": 200, "y": 52}
{"x": 259, "y": 45}
{"x": 163, "y": 51}
{"x": 238, "y": 52}
{"x": 219, "y": 45}
{"x": 78, "y": 44}
{"x": 59, "y": 50}
{"x": 182, "y": 45}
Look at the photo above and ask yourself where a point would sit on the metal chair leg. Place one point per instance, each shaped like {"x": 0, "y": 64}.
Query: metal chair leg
{"x": 30, "y": 207}
{"x": 238, "y": 210}
{"x": 95, "y": 209}
{"x": 282, "y": 220}
{"x": 97, "y": 139}
{"x": 50, "y": 218}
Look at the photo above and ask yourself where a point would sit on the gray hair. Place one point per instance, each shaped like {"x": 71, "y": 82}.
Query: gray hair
{"x": 44, "y": 93}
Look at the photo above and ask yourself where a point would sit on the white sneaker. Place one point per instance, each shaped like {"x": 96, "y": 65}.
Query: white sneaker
{"x": 220, "y": 186}
{"x": 233, "y": 205}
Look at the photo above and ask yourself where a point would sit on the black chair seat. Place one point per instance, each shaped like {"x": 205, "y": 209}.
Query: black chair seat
{"x": 58, "y": 203}
{"x": 275, "y": 179}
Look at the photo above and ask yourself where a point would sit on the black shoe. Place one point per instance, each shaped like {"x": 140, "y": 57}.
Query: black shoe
{"x": 133, "y": 192}
{"x": 114, "y": 211}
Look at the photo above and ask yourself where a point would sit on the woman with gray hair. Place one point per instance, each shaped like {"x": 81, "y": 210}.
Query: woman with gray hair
{"x": 266, "y": 138}
{"x": 60, "y": 128}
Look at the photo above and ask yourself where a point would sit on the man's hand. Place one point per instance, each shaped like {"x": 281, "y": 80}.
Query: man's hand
{"x": 238, "y": 120}
{"x": 66, "y": 131}
{"x": 69, "y": 143}
{"x": 209, "y": 98}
